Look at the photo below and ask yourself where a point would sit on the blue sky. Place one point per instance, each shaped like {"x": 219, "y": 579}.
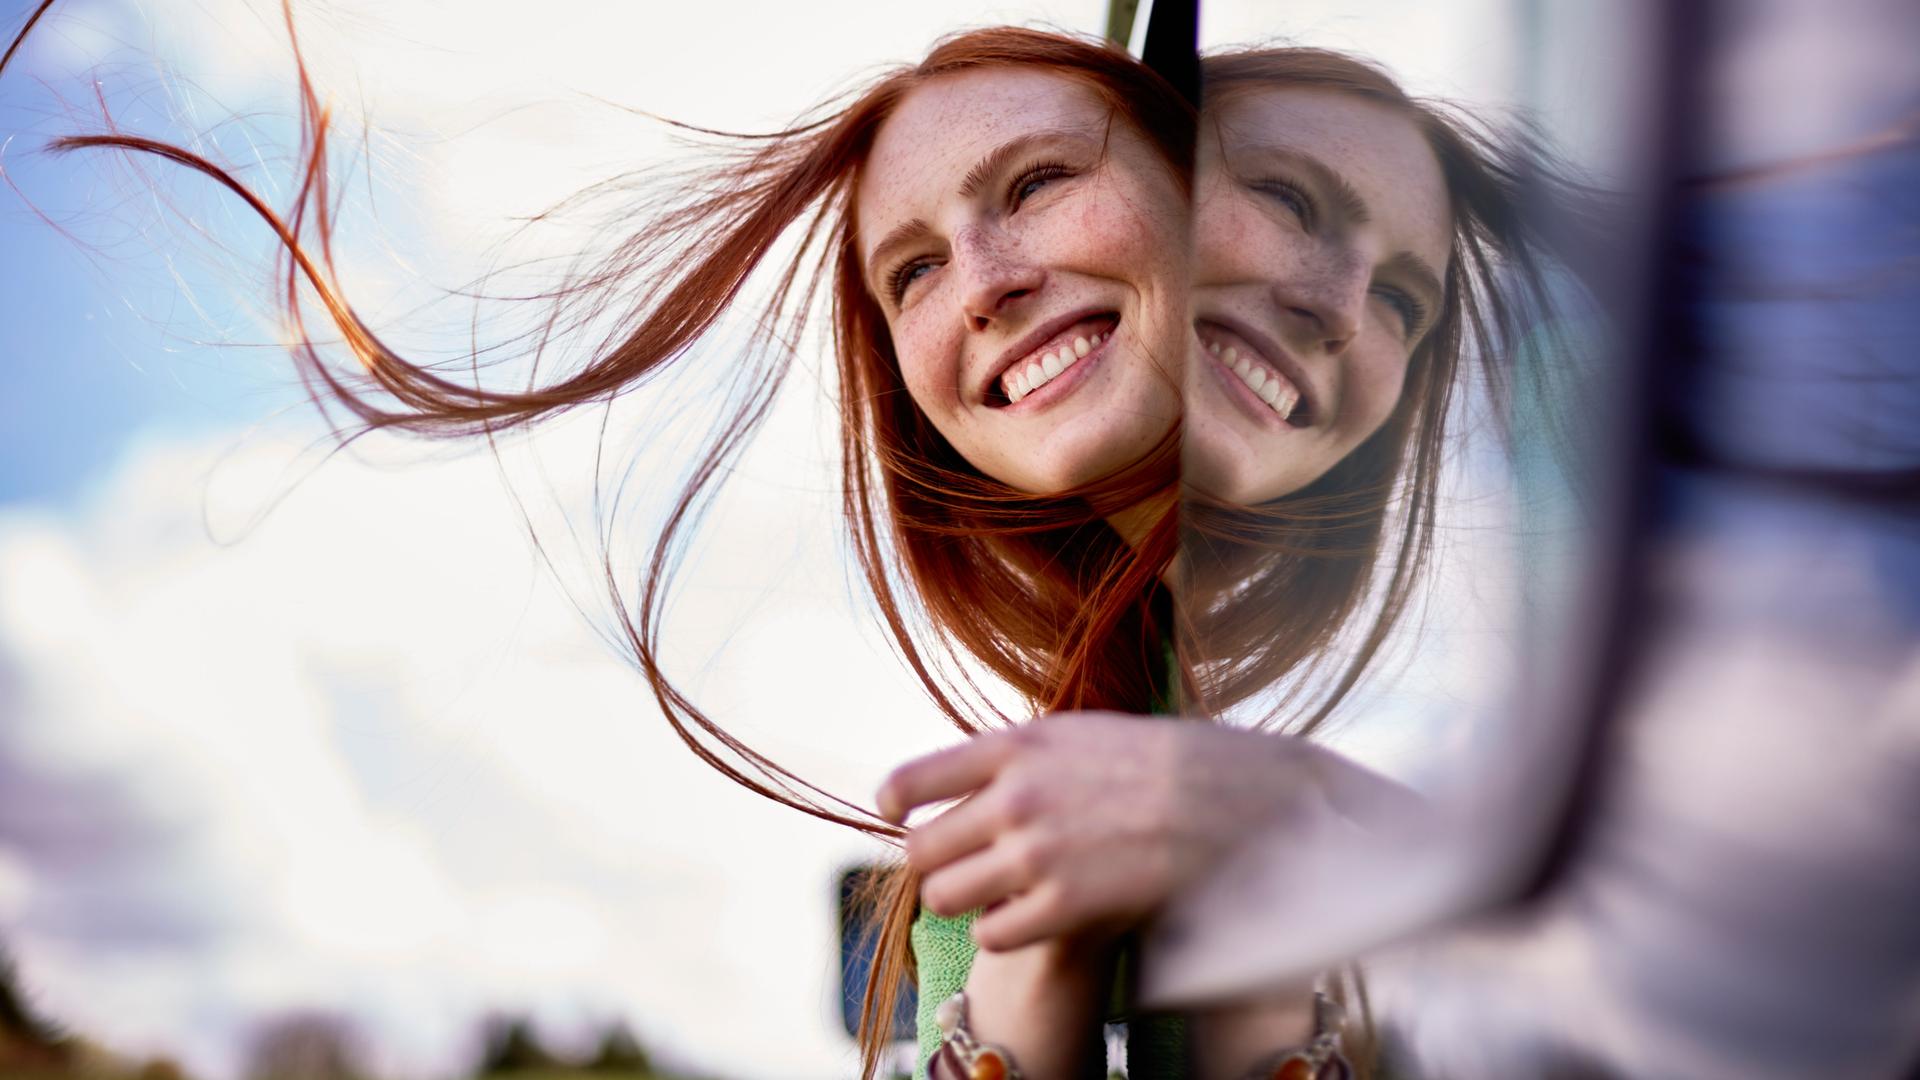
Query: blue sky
{"x": 79, "y": 371}
{"x": 97, "y": 344}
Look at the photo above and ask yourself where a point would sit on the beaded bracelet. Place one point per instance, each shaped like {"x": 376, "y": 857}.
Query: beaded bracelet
{"x": 961, "y": 1056}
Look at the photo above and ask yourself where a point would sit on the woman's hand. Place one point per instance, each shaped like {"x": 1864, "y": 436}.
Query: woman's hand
{"x": 1085, "y": 823}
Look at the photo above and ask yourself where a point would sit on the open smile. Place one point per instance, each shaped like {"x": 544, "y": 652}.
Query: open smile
{"x": 1266, "y": 384}
{"x": 1047, "y": 370}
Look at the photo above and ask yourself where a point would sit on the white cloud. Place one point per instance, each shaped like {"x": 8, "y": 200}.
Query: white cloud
{"x": 493, "y": 112}
{"x": 367, "y": 757}
{"x": 1459, "y": 50}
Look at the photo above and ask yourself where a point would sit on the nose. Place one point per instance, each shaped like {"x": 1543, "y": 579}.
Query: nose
{"x": 995, "y": 278}
{"x": 1324, "y": 298}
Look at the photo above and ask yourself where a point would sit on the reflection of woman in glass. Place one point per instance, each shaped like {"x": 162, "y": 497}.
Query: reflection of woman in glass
{"x": 1346, "y": 241}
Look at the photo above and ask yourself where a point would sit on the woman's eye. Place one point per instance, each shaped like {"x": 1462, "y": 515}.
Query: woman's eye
{"x": 906, "y": 274}
{"x": 1412, "y": 313}
{"x": 1288, "y": 196}
{"x": 1030, "y": 182}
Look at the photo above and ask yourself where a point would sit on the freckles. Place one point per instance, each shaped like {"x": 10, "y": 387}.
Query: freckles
{"x": 1116, "y": 233}
{"x": 1322, "y": 269}
{"x": 1098, "y": 230}
{"x": 930, "y": 368}
{"x": 1236, "y": 241}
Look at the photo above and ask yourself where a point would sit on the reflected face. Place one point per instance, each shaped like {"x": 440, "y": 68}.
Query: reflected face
{"x": 1027, "y": 247}
{"x": 1321, "y": 239}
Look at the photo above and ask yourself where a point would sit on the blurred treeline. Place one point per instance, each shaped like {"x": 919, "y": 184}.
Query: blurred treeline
{"x": 300, "y": 1046}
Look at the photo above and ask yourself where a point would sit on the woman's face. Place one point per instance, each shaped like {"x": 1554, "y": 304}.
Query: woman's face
{"x": 1321, "y": 238}
{"x": 1028, "y": 250}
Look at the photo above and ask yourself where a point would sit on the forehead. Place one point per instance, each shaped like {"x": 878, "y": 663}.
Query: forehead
{"x": 942, "y": 128}
{"x": 1376, "y": 148}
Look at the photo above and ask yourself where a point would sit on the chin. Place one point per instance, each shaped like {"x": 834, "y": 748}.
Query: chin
{"x": 1232, "y": 490}
{"x": 1227, "y": 479}
{"x": 1217, "y": 468}
{"x": 1076, "y": 458}
{"x": 1059, "y": 481}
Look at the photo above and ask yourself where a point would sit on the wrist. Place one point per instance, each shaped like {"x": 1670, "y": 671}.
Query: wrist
{"x": 1041, "y": 1003}
{"x": 1052, "y": 976}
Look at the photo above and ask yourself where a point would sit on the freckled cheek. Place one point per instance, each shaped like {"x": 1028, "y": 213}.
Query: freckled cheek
{"x": 928, "y": 370}
{"x": 1117, "y": 239}
{"x": 1236, "y": 243}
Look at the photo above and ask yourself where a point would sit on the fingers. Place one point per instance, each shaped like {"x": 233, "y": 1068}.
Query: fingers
{"x": 1025, "y": 919}
{"x": 982, "y": 879}
{"x": 956, "y": 834}
{"x": 947, "y": 774}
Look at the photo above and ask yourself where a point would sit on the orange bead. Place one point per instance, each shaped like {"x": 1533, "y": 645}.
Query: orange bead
{"x": 988, "y": 1066}
{"x": 1294, "y": 1068}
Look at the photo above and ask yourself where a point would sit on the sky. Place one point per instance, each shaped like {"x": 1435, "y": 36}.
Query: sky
{"x": 280, "y": 730}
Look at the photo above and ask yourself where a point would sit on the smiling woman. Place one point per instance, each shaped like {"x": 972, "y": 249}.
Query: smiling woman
{"x": 1003, "y": 220}
{"x": 1358, "y": 253}
{"x": 1320, "y": 220}
{"x": 1035, "y": 304}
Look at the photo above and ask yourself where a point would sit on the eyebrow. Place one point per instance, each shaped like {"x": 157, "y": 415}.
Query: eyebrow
{"x": 901, "y": 235}
{"x": 999, "y": 156}
{"x": 1353, "y": 207}
{"x": 985, "y": 169}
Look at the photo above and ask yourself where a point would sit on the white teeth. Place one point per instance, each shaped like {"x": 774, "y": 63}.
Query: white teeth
{"x": 1020, "y": 381}
{"x": 1267, "y": 386}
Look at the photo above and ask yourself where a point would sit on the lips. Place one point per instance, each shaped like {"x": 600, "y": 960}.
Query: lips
{"x": 1268, "y": 374}
{"x": 1051, "y": 351}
